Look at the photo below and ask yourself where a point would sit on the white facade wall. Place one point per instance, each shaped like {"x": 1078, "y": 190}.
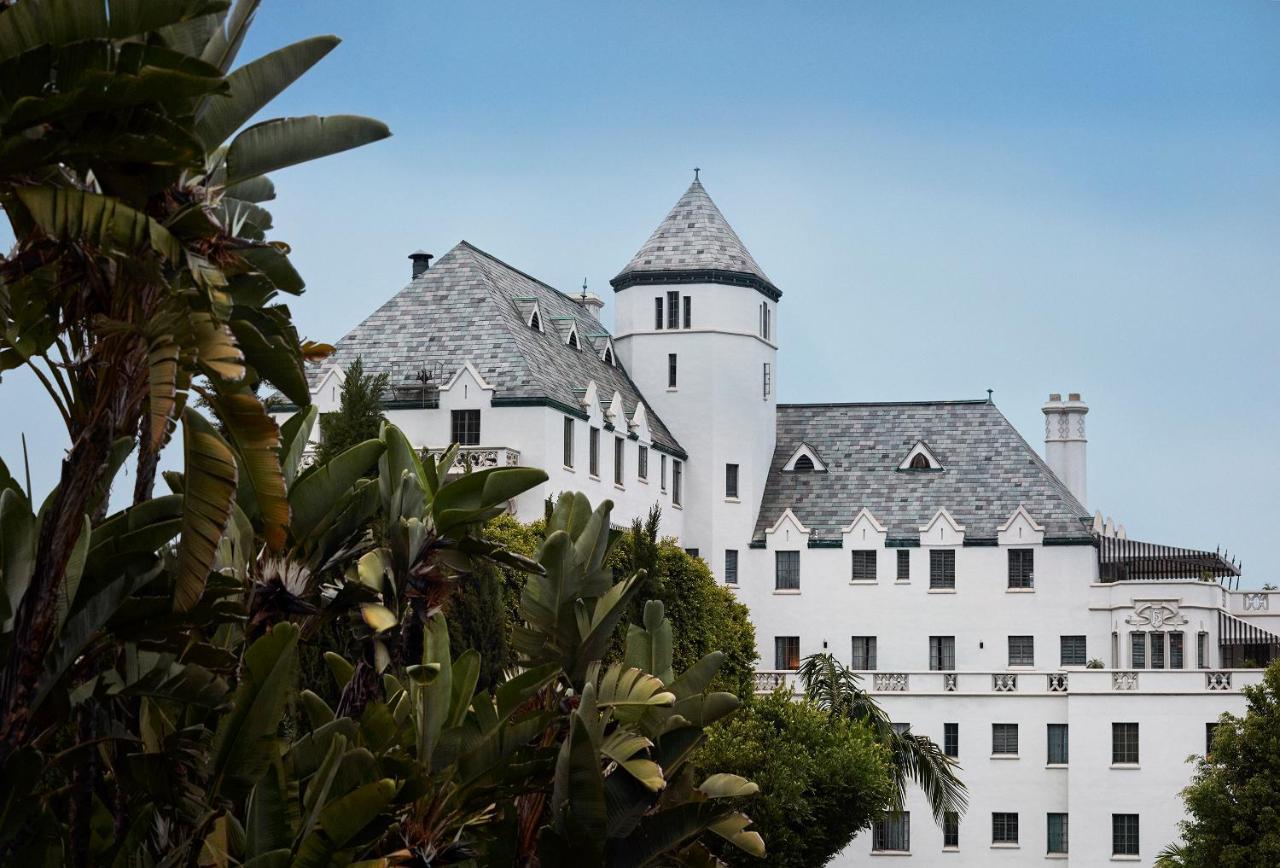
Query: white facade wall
{"x": 719, "y": 403}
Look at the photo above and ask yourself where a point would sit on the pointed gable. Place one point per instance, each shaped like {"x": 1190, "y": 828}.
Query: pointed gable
{"x": 695, "y": 243}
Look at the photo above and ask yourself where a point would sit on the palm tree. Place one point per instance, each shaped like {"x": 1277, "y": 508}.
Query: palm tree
{"x": 834, "y": 688}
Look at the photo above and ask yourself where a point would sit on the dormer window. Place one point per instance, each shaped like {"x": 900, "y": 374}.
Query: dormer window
{"x": 920, "y": 457}
{"x": 804, "y": 464}
{"x": 573, "y": 340}
{"x": 920, "y": 462}
{"x": 804, "y": 460}
{"x": 534, "y": 321}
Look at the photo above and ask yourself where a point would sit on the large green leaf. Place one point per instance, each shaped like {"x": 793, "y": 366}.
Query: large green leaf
{"x": 294, "y": 434}
{"x": 245, "y": 742}
{"x": 94, "y": 220}
{"x": 316, "y": 492}
{"x": 256, "y": 441}
{"x": 209, "y": 492}
{"x": 341, "y": 821}
{"x": 282, "y": 142}
{"x": 60, "y": 22}
{"x": 464, "y": 500}
{"x": 257, "y": 83}
{"x": 17, "y": 551}
{"x": 224, "y": 44}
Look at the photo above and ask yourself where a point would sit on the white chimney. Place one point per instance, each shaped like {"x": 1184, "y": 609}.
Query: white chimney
{"x": 1064, "y": 441}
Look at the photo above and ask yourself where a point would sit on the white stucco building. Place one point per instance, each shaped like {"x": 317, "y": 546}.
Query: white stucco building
{"x": 1069, "y": 670}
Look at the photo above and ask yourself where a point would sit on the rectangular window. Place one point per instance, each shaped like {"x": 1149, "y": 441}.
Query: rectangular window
{"x": 1124, "y": 744}
{"x": 864, "y": 653}
{"x": 693, "y": 553}
{"x": 942, "y": 653}
{"x": 568, "y": 442}
{"x": 768, "y": 323}
{"x": 1157, "y": 649}
{"x": 900, "y": 728}
{"x": 904, "y": 565}
{"x": 731, "y": 480}
{"x": 786, "y": 652}
{"x": 1138, "y": 650}
{"x": 1175, "y": 651}
{"x": 1073, "y": 651}
{"x": 593, "y": 463}
{"x": 1124, "y": 834}
{"x": 731, "y": 566}
{"x": 1022, "y": 651}
{"x": 1004, "y": 828}
{"x": 466, "y": 427}
{"x": 1004, "y": 739}
{"x": 942, "y": 568}
{"x": 657, "y": 313}
{"x": 619, "y": 453}
{"x": 642, "y": 463}
{"x": 671, "y": 370}
{"x": 677, "y": 482}
{"x": 688, "y": 312}
{"x": 1021, "y": 568}
{"x": 1057, "y": 839}
{"x": 951, "y": 739}
{"x": 1058, "y": 747}
{"x": 864, "y": 566}
{"x": 1209, "y": 729}
{"x": 1202, "y": 650}
{"x": 892, "y": 833}
{"x": 787, "y": 571}
{"x": 673, "y": 310}
{"x": 767, "y": 386}
{"x": 951, "y": 830}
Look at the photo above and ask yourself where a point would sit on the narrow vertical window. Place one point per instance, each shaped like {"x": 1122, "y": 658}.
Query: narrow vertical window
{"x": 619, "y": 453}
{"x": 657, "y": 313}
{"x": 786, "y": 571}
{"x": 662, "y": 472}
{"x": 677, "y": 480}
{"x": 1058, "y": 747}
{"x": 768, "y": 323}
{"x": 1157, "y": 649}
{"x": 942, "y": 568}
{"x": 942, "y": 653}
{"x": 767, "y": 380}
{"x": 1175, "y": 650}
{"x": 731, "y": 480}
{"x": 594, "y": 458}
{"x": 904, "y": 565}
{"x": 671, "y": 370}
{"x": 1057, "y": 837}
{"x": 1138, "y": 650}
{"x": 786, "y": 652}
{"x": 951, "y": 830}
{"x": 688, "y": 312}
{"x": 642, "y": 463}
{"x": 673, "y": 310}
{"x": 1209, "y": 730}
{"x": 568, "y": 442}
{"x": 466, "y": 427}
{"x": 731, "y": 566}
{"x": 864, "y": 653}
{"x": 1202, "y": 650}
{"x": 951, "y": 739}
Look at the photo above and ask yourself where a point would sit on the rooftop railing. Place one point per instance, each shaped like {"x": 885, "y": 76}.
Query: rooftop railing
{"x": 1031, "y": 683}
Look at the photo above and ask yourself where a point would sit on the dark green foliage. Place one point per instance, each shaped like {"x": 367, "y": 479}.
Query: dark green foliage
{"x": 1233, "y": 801}
{"x": 359, "y": 414}
{"x": 822, "y": 779}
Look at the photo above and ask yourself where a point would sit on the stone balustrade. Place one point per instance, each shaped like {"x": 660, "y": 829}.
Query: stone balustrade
{"x": 1031, "y": 683}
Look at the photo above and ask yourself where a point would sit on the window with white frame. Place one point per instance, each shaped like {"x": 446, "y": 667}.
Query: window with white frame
{"x": 1124, "y": 834}
{"x": 1202, "y": 650}
{"x": 1004, "y": 739}
{"x": 1157, "y": 649}
{"x": 466, "y": 427}
{"x": 731, "y": 566}
{"x": 1124, "y": 744}
{"x": 786, "y": 571}
{"x": 1004, "y": 827}
{"x": 1138, "y": 650}
{"x": 1021, "y": 568}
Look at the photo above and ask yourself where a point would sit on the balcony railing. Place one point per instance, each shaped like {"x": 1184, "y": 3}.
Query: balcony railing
{"x": 1083, "y": 681}
{"x": 480, "y": 457}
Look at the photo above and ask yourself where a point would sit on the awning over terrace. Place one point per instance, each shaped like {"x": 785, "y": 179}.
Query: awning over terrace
{"x": 1127, "y": 560}
{"x": 1237, "y": 631}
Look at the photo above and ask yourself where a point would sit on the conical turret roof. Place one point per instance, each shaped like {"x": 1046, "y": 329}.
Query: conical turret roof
{"x": 693, "y": 244}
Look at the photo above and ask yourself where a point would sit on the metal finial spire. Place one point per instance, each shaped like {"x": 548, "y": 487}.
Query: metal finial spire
{"x": 990, "y": 392}
{"x": 584, "y": 287}
{"x": 696, "y": 170}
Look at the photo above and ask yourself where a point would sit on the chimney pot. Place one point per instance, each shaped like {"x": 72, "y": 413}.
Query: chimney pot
{"x": 1073, "y": 396}
{"x": 1065, "y": 442}
{"x": 1055, "y": 396}
{"x": 421, "y": 261}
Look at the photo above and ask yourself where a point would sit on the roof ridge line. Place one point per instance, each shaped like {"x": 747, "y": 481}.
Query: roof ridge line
{"x": 921, "y": 403}
{"x": 507, "y": 265}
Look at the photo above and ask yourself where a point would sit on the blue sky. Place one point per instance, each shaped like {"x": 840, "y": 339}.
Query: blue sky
{"x": 1028, "y": 197}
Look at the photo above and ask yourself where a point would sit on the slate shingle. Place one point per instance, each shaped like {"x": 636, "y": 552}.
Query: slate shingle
{"x": 989, "y": 471}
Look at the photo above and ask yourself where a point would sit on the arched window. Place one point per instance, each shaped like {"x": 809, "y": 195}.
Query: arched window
{"x": 804, "y": 464}
{"x": 534, "y": 322}
{"x": 608, "y": 355}
{"x": 920, "y": 462}
{"x": 573, "y": 340}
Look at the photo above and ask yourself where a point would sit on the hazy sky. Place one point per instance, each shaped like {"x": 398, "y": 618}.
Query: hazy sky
{"x": 1028, "y": 197}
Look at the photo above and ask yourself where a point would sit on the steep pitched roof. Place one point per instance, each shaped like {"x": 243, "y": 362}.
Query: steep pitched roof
{"x": 468, "y": 306}
{"x": 989, "y": 471}
{"x": 694, "y": 241}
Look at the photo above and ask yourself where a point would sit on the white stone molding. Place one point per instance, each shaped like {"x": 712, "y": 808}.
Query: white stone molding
{"x": 1124, "y": 681}
{"x": 1256, "y": 602}
{"x": 942, "y": 530}
{"x": 1057, "y": 682}
{"x": 1020, "y": 530}
{"x": 891, "y": 682}
{"x": 787, "y": 532}
{"x": 1156, "y": 614}
{"x": 1004, "y": 682}
{"x": 950, "y": 681}
{"x": 804, "y": 449}
{"x": 865, "y": 530}
{"x": 1217, "y": 681}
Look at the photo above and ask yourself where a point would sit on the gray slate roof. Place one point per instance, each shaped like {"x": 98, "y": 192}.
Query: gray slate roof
{"x": 989, "y": 471}
{"x": 694, "y": 236}
{"x": 464, "y": 308}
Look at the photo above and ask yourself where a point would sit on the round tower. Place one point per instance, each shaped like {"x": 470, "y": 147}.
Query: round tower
{"x": 696, "y": 326}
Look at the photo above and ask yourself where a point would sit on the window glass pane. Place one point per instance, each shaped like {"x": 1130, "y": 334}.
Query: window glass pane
{"x": 904, "y": 565}
{"x": 673, "y": 310}
{"x": 1124, "y": 743}
{"x": 892, "y": 832}
{"x": 1124, "y": 834}
{"x": 731, "y": 480}
{"x": 864, "y": 566}
{"x": 1202, "y": 650}
{"x": 1004, "y": 738}
{"x": 688, "y": 312}
{"x": 594, "y": 457}
{"x": 657, "y": 312}
{"x": 1157, "y": 649}
{"x": 642, "y": 462}
{"x": 787, "y": 574}
{"x": 677, "y": 482}
{"x": 1138, "y": 650}
{"x": 466, "y": 427}
{"x": 671, "y": 370}
{"x": 619, "y": 453}
{"x": 1057, "y": 744}
{"x": 786, "y": 650}
{"x": 951, "y": 739}
{"x": 663, "y": 470}
{"x": 951, "y": 829}
{"x": 1022, "y": 651}
{"x": 1021, "y": 567}
{"x": 568, "y": 442}
{"x": 942, "y": 653}
{"x": 1073, "y": 651}
{"x": 942, "y": 568}
{"x": 1057, "y": 833}
{"x": 864, "y": 653}
{"x": 1175, "y": 651}
{"x": 731, "y": 566}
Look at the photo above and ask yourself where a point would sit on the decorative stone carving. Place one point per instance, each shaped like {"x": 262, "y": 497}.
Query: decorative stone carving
{"x": 481, "y": 457}
{"x": 950, "y": 681}
{"x": 767, "y": 682}
{"x": 1155, "y": 614}
{"x": 891, "y": 682}
{"x": 1057, "y": 682}
{"x": 1256, "y": 602}
{"x": 1124, "y": 681}
{"x": 1004, "y": 682}
{"x": 1217, "y": 681}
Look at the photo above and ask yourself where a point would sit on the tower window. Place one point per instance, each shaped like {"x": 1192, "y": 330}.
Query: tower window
{"x": 619, "y": 452}
{"x": 804, "y": 464}
{"x": 657, "y": 313}
{"x": 731, "y": 566}
{"x": 671, "y": 370}
{"x": 673, "y": 310}
{"x": 688, "y": 312}
{"x": 904, "y": 565}
{"x": 466, "y": 427}
{"x": 677, "y": 480}
{"x": 595, "y": 453}
{"x": 662, "y": 470}
{"x": 731, "y": 480}
{"x": 768, "y": 380}
{"x": 642, "y": 463}
{"x": 568, "y": 442}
